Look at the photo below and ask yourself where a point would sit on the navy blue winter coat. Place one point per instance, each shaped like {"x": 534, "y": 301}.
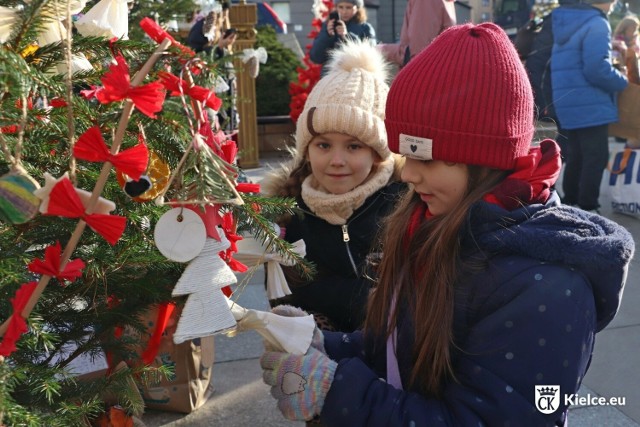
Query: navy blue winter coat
{"x": 324, "y": 43}
{"x": 584, "y": 81}
{"x": 554, "y": 277}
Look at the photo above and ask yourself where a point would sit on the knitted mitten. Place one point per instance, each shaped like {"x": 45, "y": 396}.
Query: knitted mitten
{"x": 299, "y": 382}
{"x": 290, "y": 311}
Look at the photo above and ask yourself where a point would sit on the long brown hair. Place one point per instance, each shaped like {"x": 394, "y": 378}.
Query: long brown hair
{"x": 422, "y": 269}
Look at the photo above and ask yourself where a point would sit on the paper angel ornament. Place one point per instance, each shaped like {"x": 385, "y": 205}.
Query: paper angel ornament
{"x": 53, "y": 30}
{"x": 7, "y": 19}
{"x": 206, "y": 310}
{"x": 252, "y": 252}
{"x": 253, "y": 58}
{"x": 79, "y": 62}
{"x": 288, "y": 334}
{"x": 108, "y": 18}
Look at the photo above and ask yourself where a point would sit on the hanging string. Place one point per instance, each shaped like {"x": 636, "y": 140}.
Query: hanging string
{"x": 69, "y": 83}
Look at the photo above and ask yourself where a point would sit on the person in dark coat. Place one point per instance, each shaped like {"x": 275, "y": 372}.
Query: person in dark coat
{"x": 345, "y": 181}
{"x": 490, "y": 292}
{"x": 348, "y": 22}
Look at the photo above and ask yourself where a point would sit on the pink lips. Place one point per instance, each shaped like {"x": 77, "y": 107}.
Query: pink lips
{"x": 426, "y": 197}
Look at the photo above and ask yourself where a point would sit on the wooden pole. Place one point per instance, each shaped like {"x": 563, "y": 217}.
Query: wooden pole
{"x": 243, "y": 17}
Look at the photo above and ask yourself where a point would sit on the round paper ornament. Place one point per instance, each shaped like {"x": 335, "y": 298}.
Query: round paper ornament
{"x": 180, "y": 234}
{"x": 18, "y": 204}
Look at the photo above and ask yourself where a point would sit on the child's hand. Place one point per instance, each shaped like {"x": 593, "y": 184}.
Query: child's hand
{"x": 299, "y": 382}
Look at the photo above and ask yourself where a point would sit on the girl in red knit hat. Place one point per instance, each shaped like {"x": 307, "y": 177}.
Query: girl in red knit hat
{"x": 489, "y": 292}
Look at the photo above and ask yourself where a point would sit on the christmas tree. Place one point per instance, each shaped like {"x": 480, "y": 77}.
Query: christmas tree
{"x": 99, "y": 130}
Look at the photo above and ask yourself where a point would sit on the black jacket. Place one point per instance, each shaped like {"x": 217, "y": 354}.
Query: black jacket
{"x": 340, "y": 288}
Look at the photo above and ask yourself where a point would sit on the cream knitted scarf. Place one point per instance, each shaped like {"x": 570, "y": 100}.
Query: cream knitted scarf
{"x": 337, "y": 208}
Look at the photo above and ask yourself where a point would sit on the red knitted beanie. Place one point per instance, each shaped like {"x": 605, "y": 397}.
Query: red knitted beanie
{"x": 466, "y": 98}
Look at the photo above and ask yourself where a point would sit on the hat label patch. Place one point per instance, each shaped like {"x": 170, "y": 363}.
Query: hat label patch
{"x": 415, "y": 147}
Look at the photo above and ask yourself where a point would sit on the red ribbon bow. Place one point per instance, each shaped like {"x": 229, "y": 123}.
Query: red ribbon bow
{"x": 117, "y": 87}
{"x": 158, "y": 35}
{"x": 63, "y": 201}
{"x": 50, "y": 265}
{"x": 91, "y": 147}
{"x": 177, "y": 86}
{"x": 165, "y": 310}
{"x": 17, "y": 324}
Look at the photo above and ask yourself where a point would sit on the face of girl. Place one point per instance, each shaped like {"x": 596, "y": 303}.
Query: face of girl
{"x": 346, "y": 10}
{"x": 441, "y": 185}
{"x": 340, "y": 162}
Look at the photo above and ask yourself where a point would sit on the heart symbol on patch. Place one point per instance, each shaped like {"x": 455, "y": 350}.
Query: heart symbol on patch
{"x": 292, "y": 383}
{"x": 414, "y": 148}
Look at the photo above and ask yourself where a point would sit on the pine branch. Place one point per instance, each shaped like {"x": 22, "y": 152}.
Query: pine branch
{"x": 252, "y": 220}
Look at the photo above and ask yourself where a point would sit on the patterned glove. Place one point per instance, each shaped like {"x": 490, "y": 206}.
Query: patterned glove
{"x": 298, "y": 382}
{"x": 290, "y": 311}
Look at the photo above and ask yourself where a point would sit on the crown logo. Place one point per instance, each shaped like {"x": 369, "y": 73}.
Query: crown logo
{"x": 547, "y": 391}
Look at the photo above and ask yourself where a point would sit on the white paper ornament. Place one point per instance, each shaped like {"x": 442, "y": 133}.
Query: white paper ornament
{"x": 252, "y": 252}
{"x": 288, "y": 334}
{"x": 108, "y": 18}
{"x": 8, "y": 17}
{"x": 180, "y": 234}
{"x": 206, "y": 311}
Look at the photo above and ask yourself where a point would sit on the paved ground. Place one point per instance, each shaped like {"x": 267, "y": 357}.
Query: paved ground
{"x": 241, "y": 399}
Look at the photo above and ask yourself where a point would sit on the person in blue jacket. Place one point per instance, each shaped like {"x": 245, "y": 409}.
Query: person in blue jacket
{"x": 348, "y": 21}
{"x": 490, "y": 291}
{"x": 584, "y": 85}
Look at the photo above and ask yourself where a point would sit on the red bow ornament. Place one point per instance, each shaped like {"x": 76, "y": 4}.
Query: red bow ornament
{"x": 63, "y": 201}
{"x": 177, "y": 86}
{"x": 17, "y": 324}
{"x": 117, "y": 87}
{"x": 91, "y": 147}
{"x": 158, "y": 35}
{"x": 50, "y": 265}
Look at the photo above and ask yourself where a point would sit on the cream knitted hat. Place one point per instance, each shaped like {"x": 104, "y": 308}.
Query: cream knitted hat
{"x": 349, "y": 99}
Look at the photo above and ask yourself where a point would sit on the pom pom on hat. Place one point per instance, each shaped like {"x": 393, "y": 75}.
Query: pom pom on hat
{"x": 349, "y": 99}
{"x": 466, "y": 98}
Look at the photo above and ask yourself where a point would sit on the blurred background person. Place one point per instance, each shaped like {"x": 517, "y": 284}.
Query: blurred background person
{"x": 423, "y": 21}
{"x": 347, "y": 21}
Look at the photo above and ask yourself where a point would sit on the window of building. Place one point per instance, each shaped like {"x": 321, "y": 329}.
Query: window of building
{"x": 485, "y": 3}
{"x": 282, "y": 8}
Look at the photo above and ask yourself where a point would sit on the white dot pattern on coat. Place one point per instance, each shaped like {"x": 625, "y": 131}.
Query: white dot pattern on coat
{"x": 508, "y": 324}
{"x": 539, "y": 376}
{"x": 509, "y": 389}
{"x": 568, "y": 328}
{"x": 339, "y": 377}
{"x": 568, "y": 292}
{"x": 538, "y": 276}
{"x": 345, "y": 412}
{"x": 542, "y": 308}
{"x": 508, "y": 356}
{"x": 565, "y": 363}
{"x": 542, "y": 342}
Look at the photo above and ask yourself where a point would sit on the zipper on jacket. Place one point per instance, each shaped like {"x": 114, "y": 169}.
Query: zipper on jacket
{"x": 345, "y": 239}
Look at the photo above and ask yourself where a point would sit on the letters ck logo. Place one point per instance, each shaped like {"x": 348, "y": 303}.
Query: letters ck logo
{"x": 547, "y": 398}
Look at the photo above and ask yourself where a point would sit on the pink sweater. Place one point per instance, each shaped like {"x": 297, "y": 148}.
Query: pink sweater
{"x": 423, "y": 21}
